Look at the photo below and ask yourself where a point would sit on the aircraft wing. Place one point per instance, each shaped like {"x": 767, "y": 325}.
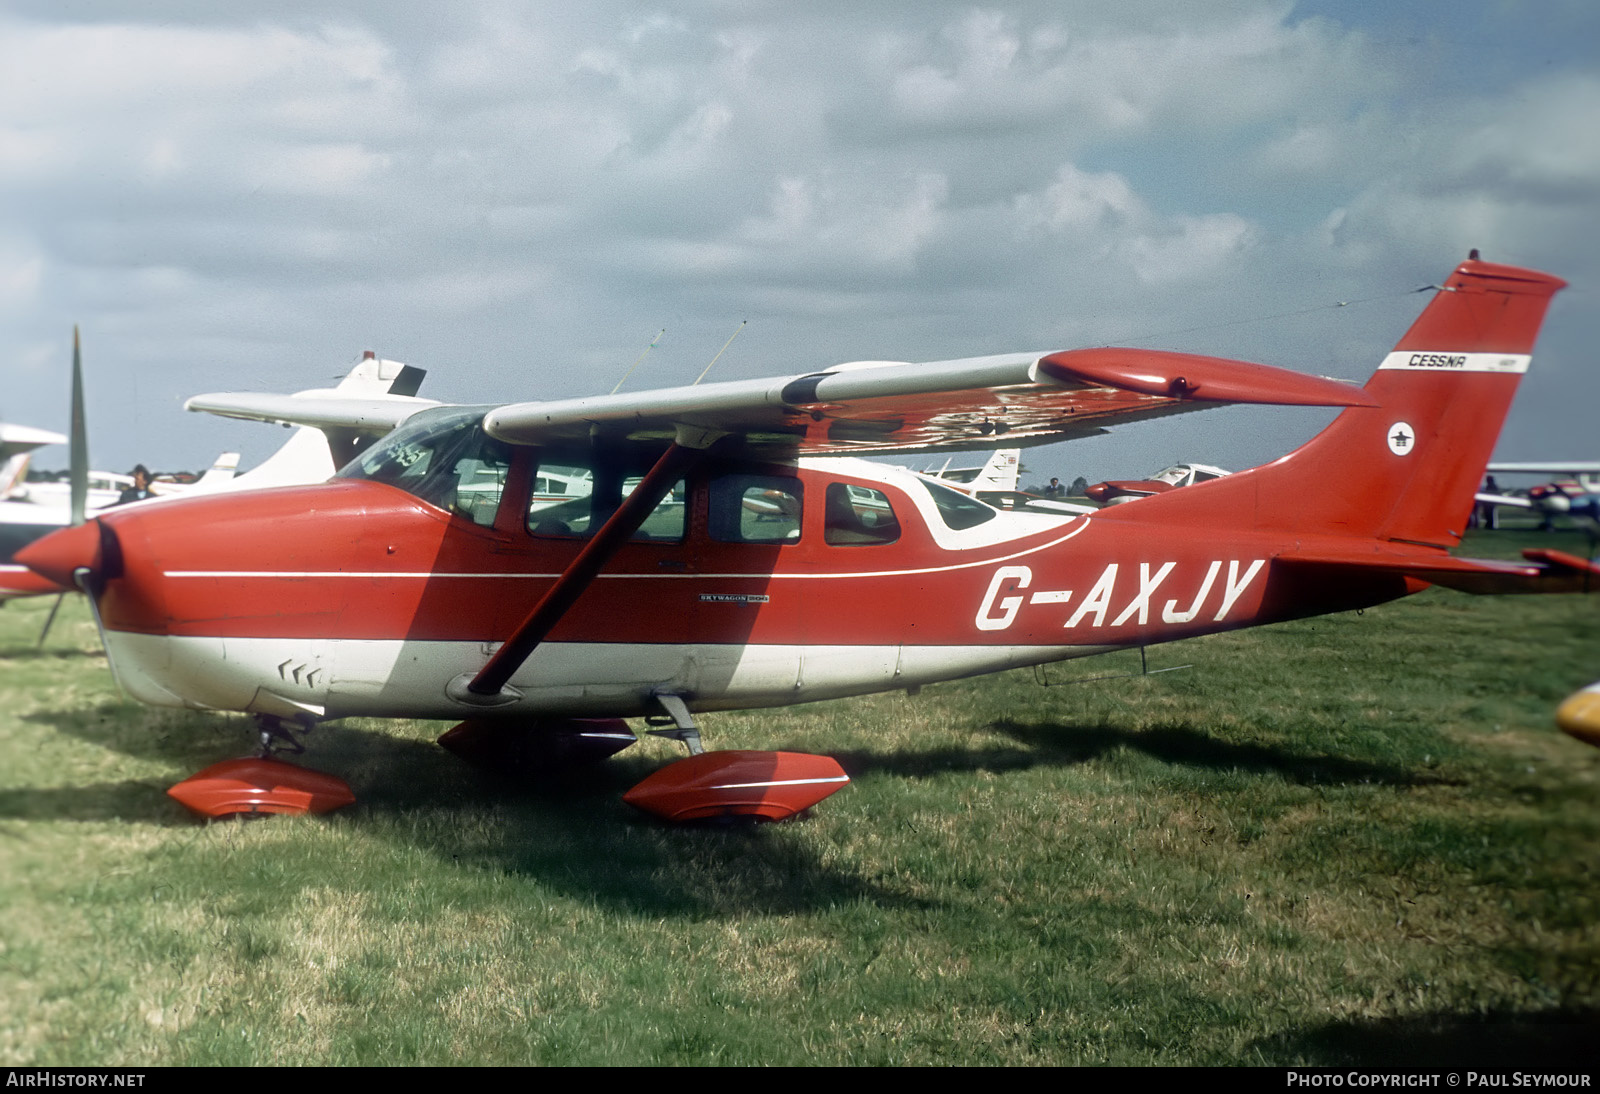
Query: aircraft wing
{"x": 375, "y": 416}
{"x": 1503, "y": 499}
{"x": 1571, "y": 467}
{"x": 880, "y": 408}
{"x": 17, "y": 439}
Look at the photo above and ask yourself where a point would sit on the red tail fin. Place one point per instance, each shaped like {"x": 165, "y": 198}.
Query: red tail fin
{"x": 1408, "y": 468}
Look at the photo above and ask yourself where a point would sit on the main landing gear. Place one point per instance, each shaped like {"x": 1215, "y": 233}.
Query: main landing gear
{"x": 731, "y": 783}
{"x": 258, "y": 785}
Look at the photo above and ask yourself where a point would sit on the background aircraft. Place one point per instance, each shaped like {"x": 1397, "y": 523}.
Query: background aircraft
{"x": 726, "y": 556}
{"x": 17, "y": 445}
{"x": 33, "y": 510}
{"x": 1576, "y": 495}
{"x": 999, "y": 472}
{"x": 995, "y": 482}
{"x": 1178, "y": 475}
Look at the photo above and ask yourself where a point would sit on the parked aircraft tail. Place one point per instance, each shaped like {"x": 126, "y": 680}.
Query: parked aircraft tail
{"x": 1405, "y": 470}
{"x": 219, "y": 476}
{"x": 222, "y": 471}
{"x": 1000, "y": 471}
{"x": 311, "y": 454}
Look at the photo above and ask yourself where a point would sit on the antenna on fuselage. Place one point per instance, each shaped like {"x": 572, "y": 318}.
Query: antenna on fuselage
{"x": 636, "y": 364}
{"x": 721, "y": 351}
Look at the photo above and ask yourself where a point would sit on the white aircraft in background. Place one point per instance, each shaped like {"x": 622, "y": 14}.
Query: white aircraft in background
{"x": 106, "y": 487}
{"x": 1575, "y": 494}
{"x": 17, "y": 444}
{"x": 996, "y": 482}
{"x": 999, "y": 472}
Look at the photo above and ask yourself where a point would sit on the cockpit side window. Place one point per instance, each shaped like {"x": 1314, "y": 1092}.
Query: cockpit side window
{"x": 561, "y": 502}
{"x": 755, "y": 509}
{"x": 956, "y": 509}
{"x": 444, "y": 458}
{"x": 571, "y": 499}
{"x": 857, "y": 516}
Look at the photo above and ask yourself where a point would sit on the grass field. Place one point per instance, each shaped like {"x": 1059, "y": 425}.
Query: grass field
{"x": 1356, "y": 839}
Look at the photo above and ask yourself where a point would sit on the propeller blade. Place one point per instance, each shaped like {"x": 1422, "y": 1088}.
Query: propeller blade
{"x": 79, "y": 465}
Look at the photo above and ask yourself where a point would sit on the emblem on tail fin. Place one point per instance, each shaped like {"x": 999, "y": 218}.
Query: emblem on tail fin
{"x": 1402, "y": 439}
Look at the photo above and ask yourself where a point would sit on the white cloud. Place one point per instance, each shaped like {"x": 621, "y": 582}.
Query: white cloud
{"x": 1083, "y": 201}
{"x": 1514, "y": 176}
{"x": 21, "y": 276}
{"x": 1218, "y": 69}
{"x": 1101, "y": 216}
{"x": 495, "y": 188}
{"x": 848, "y": 226}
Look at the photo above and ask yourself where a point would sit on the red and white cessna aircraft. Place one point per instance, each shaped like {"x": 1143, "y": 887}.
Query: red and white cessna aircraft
{"x": 710, "y": 550}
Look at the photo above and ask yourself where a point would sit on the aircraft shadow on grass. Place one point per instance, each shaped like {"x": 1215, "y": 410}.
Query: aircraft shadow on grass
{"x": 571, "y": 832}
{"x": 1561, "y": 1039}
{"x": 1061, "y": 745}
{"x": 147, "y": 733}
{"x": 410, "y": 774}
{"x": 26, "y": 653}
{"x": 132, "y": 800}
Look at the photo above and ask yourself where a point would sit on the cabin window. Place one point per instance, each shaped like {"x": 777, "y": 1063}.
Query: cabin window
{"x": 956, "y": 509}
{"x": 480, "y": 480}
{"x": 570, "y": 499}
{"x": 755, "y": 509}
{"x": 858, "y": 516}
{"x": 444, "y": 458}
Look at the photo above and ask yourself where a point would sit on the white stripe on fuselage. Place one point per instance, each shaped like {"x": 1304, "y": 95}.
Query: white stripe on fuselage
{"x": 394, "y": 679}
{"x": 423, "y": 575}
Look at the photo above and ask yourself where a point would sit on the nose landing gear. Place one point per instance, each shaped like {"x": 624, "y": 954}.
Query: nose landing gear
{"x": 258, "y": 785}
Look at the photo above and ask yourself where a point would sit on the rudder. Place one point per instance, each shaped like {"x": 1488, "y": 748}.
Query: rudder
{"x": 1408, "y": 468}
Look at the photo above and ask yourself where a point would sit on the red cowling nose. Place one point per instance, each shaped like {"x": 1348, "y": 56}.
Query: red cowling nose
{"x": 58, "y": 555}
{"x": 1100, "y": 492}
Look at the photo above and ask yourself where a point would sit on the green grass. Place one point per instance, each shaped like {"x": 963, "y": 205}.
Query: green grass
{"x": 1351, "y": 839}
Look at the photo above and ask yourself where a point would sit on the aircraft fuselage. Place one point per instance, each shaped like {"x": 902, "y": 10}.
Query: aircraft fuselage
{"x": 358, "y": 598}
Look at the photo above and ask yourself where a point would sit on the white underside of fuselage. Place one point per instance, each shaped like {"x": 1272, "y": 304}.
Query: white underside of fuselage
{"x": 329, "y": 678}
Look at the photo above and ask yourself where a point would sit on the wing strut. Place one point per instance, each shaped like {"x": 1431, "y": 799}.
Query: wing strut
{"x": 675, "y": 462}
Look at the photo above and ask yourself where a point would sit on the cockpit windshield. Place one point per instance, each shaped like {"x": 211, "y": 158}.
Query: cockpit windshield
{"x": 956, "y": 509}
{"x": 443, "y": 457}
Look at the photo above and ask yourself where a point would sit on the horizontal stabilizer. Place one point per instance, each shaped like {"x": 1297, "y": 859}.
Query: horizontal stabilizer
{"x": 1546, "y": 571}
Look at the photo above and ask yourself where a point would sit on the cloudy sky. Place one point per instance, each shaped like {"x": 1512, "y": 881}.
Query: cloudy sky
{"x": 517, "y": 197}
